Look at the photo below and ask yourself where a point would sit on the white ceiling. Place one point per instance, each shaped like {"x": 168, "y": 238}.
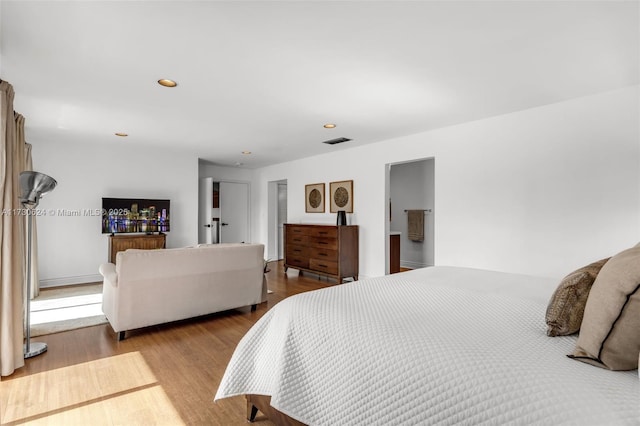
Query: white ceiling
{"x": 265, "y": 76}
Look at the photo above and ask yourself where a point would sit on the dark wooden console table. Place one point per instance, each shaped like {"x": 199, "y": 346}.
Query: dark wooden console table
{"x": 122, "y": 242}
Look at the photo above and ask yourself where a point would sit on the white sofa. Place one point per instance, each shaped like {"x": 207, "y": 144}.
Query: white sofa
{"x": 148, "y": 287}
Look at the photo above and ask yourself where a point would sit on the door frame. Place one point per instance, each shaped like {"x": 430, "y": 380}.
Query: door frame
{"x": 272, "y": 218}
{"x": 389, "y": 200}
{"x": 203, "y": 209}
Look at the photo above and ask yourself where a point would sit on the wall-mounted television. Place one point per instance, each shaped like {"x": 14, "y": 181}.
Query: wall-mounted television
{"x": 131, "y": 215}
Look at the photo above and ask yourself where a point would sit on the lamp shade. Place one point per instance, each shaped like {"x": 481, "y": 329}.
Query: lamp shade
{"x": 33, "y": 185}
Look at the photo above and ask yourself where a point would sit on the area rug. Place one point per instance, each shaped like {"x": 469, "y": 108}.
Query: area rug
{"x": 66, "y": 308}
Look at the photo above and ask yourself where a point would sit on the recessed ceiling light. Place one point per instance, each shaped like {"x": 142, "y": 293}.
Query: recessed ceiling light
{"x": 329, "y": 126}
{"x": 121, "y": 134}
{"x": 167, "y": 83}
{"x": 246, "y": 152}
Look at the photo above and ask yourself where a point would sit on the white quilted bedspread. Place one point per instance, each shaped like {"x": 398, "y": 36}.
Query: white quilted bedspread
{"x": 399, "y": 350}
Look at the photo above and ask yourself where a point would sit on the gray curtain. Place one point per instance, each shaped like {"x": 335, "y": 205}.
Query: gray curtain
{"x": 12, "y": 238}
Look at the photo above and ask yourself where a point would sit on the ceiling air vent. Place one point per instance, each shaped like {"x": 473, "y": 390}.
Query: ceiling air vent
{"x": 337, "y": 140}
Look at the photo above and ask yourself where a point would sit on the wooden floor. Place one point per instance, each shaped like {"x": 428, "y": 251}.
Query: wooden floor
{"x": 162, "y": 375}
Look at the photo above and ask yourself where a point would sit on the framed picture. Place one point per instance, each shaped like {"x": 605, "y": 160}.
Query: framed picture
{"x": 341, "y": 196}
{"x": 314, "y": 198}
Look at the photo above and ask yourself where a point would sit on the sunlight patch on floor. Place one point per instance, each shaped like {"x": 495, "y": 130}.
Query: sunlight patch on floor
{"x": 114, "y": 390}
{"x": 65, "y": 308}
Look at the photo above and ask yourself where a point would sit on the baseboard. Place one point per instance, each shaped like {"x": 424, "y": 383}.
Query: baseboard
{"x": 82, "y": 279}
{"x": 412, "y": 265}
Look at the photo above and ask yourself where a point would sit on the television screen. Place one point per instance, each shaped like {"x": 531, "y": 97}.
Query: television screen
{"x": 122, "y": 215}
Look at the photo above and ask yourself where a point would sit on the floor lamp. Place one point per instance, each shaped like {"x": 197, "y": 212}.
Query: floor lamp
{"x": 32, "y": 186}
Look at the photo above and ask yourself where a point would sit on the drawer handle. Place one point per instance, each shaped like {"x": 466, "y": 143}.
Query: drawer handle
{"x": 323, "y": 232}
{"x": 322, "y": 242}
{"x": 297, "y": 239}
{"x": 323, "y": 254}
{"x": 297, "y": 250}
{"x": 324, "y": 266}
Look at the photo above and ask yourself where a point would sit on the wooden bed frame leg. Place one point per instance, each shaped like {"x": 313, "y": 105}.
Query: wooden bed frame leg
{"x": 262, "y": 403}
{"x": 120, "y": 336}
{"x": 252, "y": 412}
{"x": 253, "y": 308}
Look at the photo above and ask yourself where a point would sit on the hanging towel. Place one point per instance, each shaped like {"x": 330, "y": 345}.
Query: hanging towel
{"x": 415, "y": 225}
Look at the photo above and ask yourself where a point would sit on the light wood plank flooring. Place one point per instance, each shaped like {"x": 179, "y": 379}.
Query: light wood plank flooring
{"x": 161, "y": 375}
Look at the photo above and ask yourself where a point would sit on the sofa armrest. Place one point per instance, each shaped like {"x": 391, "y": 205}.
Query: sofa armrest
{"x": 108, "y": 271}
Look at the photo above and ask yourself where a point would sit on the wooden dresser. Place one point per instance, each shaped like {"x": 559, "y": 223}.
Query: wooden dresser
{"x": 322, "y": 249}
{"x": 122, "y": 242}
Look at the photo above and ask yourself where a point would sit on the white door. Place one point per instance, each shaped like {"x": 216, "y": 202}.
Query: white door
{"x": 205, "y": 214}
{"x": 234, "y": 212}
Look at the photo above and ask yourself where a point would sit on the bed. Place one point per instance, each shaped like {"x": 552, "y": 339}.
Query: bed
{"x": 439, "y": 345}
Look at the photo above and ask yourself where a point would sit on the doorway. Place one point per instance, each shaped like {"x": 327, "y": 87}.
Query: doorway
{"x": 411, "y": 186}
{"x": 282, "y": 216}
{"x": 224, "y": 215}
{"x": 277, "y": 217}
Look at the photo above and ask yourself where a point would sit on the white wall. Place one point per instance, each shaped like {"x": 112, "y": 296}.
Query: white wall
{"x": 230, "y": 174}
{"x": 538, "y": 192}
{"x": 72, "y": 247}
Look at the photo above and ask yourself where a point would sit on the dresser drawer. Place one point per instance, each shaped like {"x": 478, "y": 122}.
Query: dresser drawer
{"x": 297, "y": 251}
{"x": 323, "y": 254}
{"x": 297, "y": 262}
{"x": 297, "y": 239}
{"x": 297, "y": 230}
{"x": 297, "y": 257}
{"x": 327, "y": 243}
{"x": 323, "y": 231}
{"x": 325, "y": 266}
